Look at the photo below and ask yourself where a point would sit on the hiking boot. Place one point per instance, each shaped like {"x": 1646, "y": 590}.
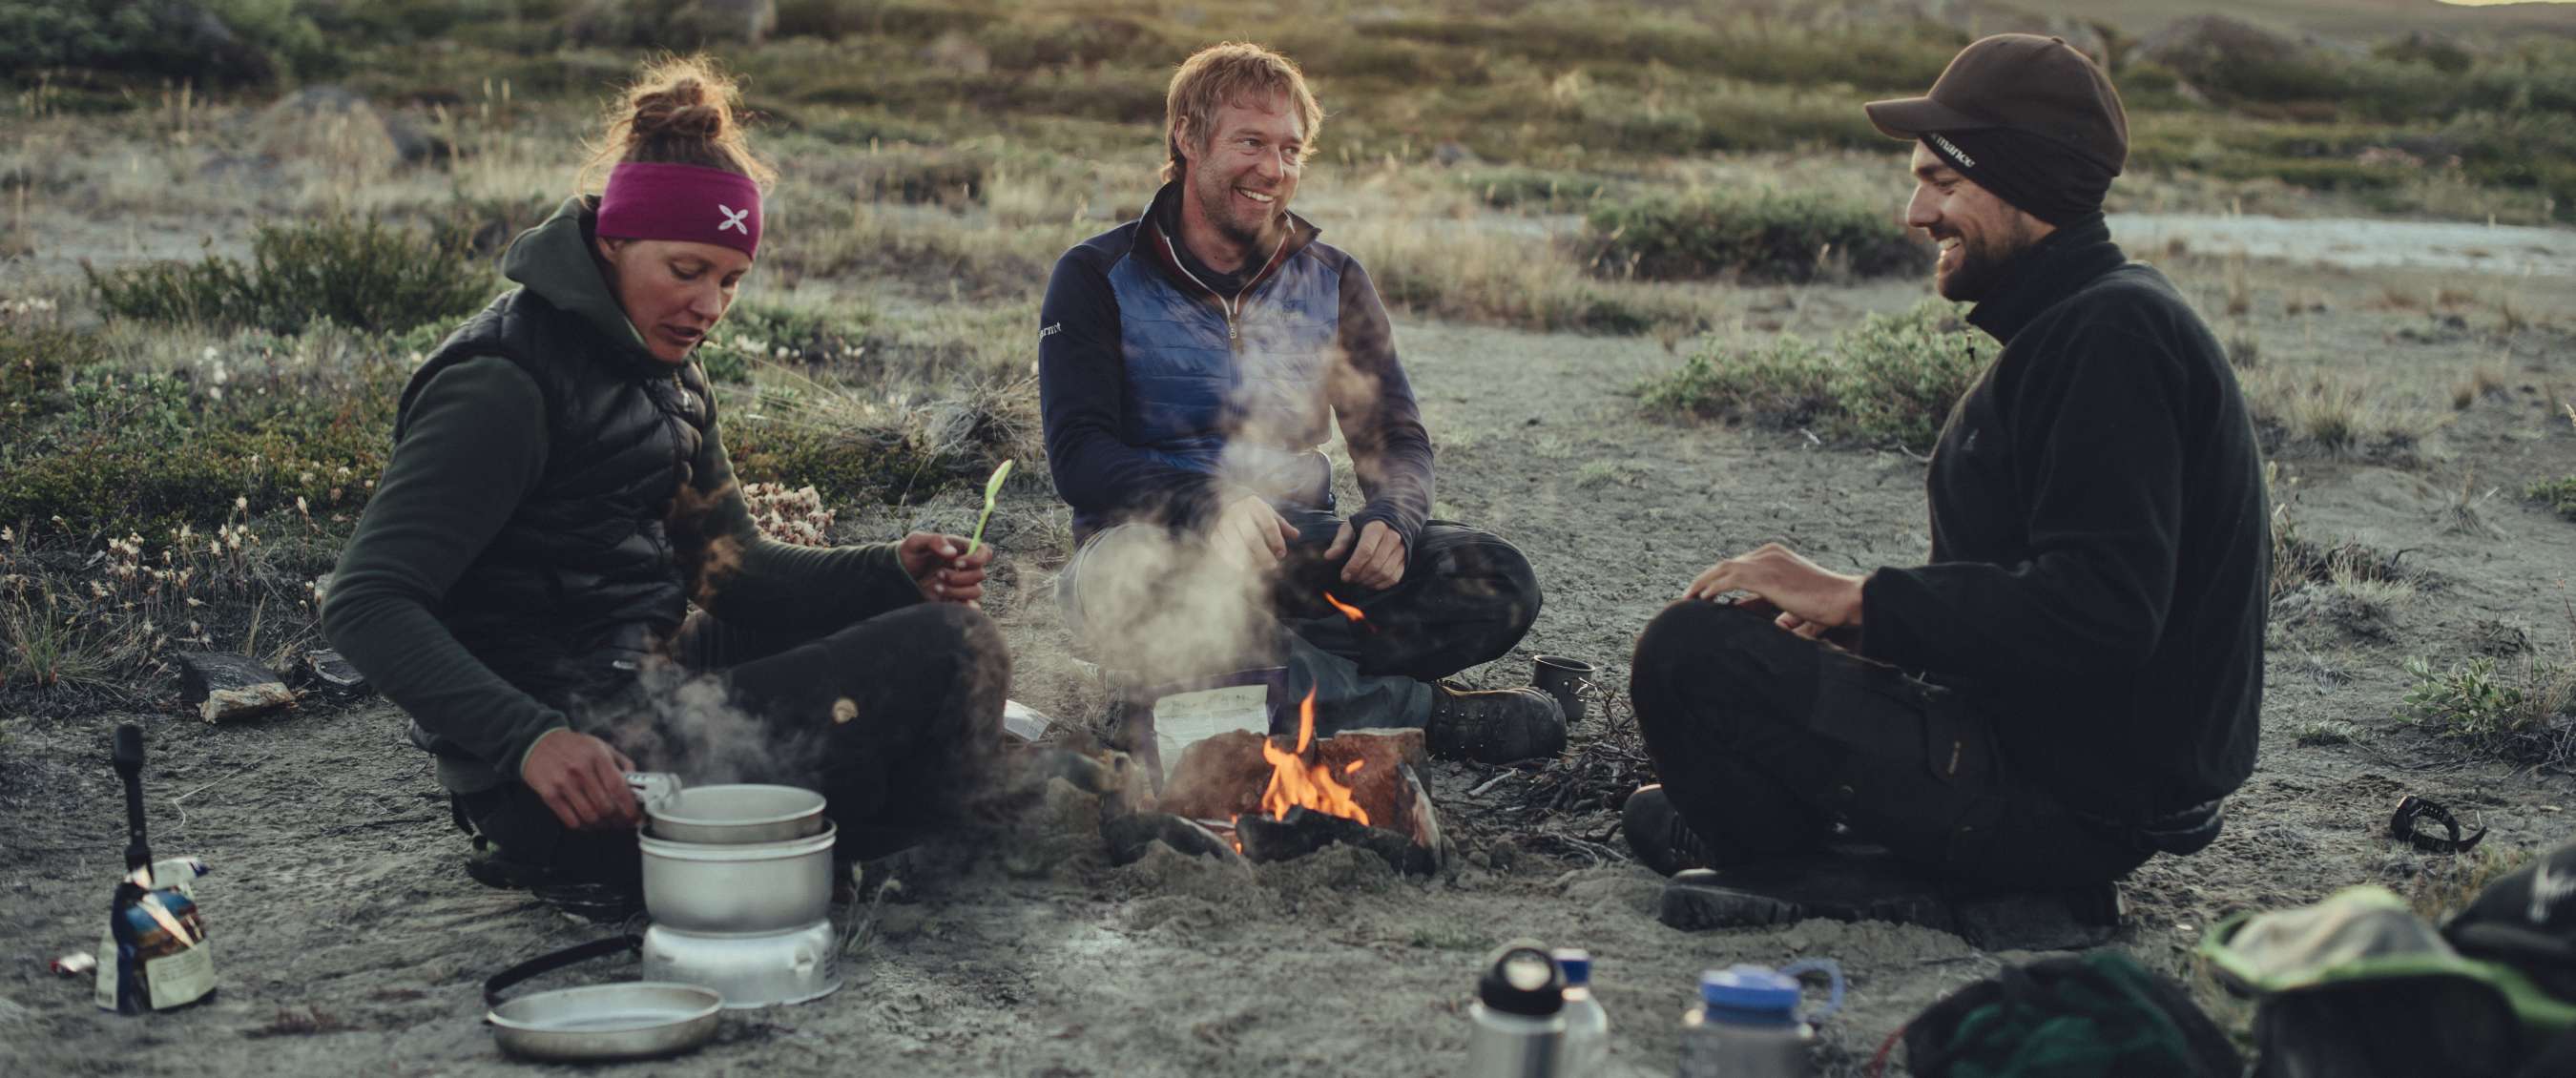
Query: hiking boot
{"x": 1494, "y": 726}
{"x": 1867, "y": 884}
{"x": 1659, "y": 836}
{"x": 1844, "y": 884}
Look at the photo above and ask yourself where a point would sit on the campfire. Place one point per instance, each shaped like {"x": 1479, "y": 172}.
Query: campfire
{"x": 1277, "y": 799}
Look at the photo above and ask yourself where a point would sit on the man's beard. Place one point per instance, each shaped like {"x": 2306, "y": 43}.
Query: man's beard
{"x": 1216, "y": 204}
{"x": 1981, "y": 264}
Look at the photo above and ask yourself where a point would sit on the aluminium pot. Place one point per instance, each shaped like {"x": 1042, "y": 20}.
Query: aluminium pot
{"x": 738, "y": 888}
{"x": 765, "y": 970}
{"x": 739, "y": 813}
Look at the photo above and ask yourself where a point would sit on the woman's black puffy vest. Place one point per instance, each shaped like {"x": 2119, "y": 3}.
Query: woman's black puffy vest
{"x": 583, "y": 579}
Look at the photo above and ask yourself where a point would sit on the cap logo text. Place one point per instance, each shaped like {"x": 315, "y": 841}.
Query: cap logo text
{"x": 1955, "y": 152}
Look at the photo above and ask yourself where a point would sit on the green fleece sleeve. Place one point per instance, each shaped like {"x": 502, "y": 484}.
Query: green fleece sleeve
{"x": 781, "y": 587}
{"x": 473, "y": 447}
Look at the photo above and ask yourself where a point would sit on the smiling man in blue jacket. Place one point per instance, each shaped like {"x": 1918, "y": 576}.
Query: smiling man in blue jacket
{"x": 1191, "y": 365}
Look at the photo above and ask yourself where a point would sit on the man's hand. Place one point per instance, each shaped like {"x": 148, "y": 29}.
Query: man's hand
{"x": 1251, "y": 532}
{"x": 943, "y": 574}
{"x": 1378, "y": 563}
{"x": 582, "y": 779}
{"x": 1811, "y": 600}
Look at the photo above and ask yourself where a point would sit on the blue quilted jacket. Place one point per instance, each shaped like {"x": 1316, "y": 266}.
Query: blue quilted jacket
{"x": 1163, "y": 395}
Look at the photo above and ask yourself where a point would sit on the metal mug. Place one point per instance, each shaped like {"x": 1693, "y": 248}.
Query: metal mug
{"x": 1564, "y": 679}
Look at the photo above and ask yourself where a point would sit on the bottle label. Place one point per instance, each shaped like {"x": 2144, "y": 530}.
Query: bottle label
{"x": 180, "y": 978}
{"x": 103, "y": 991}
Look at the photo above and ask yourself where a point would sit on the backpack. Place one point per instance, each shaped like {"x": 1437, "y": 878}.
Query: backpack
{"x": 2358, "y": 986}
{"x": 2093, "y": 1015}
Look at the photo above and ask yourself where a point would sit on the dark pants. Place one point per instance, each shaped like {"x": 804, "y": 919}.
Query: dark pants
{"x": 921, "y": 689}
{"x": 1765, "y": 740}
{"x": 1163, "y": 610}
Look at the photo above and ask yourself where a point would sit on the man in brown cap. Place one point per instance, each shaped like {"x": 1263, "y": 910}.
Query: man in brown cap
{"x": 2072, "y": 683}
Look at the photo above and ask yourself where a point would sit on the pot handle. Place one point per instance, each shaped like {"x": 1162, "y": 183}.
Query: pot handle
{"x": 555, "y": 960}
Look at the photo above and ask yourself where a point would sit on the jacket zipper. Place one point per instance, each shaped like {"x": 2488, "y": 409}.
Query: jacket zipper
{"x": 1233, "y": 308}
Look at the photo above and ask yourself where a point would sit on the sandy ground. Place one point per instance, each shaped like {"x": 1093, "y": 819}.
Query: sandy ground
{"x": 349, "y": 941}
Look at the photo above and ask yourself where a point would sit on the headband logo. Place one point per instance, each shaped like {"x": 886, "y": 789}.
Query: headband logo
{"x": 733, "y": 219}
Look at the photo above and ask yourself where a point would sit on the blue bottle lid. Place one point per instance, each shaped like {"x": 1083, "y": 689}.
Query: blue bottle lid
{"x": 1752, "y": 991}
{"x": 1575, "y": 963}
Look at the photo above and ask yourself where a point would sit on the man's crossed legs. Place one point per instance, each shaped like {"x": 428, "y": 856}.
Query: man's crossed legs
{"x": 1164, "y": 608}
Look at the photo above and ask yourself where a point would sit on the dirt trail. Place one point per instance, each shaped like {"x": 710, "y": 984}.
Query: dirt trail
{"x": 350, "y": 942}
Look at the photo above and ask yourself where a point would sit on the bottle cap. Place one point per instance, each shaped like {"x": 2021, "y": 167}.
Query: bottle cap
{"x": 1522, "y": 979}
{"x": 1575, "y": 963}
{"x": 1753, "y": 989}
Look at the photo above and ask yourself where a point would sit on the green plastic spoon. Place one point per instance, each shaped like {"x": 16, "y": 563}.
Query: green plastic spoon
{"x": 992, "y": 490}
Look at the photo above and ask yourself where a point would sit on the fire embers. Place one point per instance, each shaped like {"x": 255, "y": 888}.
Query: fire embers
{"x": 1348, "y": 611}
{"x": 1283, "y": 800}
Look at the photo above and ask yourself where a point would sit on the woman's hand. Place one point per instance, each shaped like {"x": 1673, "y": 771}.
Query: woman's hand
{"x": 944, "y": 574}
{"x": 582, "y": 779}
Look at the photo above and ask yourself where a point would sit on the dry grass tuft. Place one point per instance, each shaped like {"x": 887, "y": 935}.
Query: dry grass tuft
{"x": 2446, "y": 887}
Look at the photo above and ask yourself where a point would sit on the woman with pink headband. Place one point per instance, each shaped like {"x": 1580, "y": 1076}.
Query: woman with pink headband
{"x": 559, "y": 496}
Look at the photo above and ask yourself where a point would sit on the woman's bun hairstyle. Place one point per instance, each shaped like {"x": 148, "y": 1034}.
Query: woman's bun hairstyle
{"x": 680, "y": 111}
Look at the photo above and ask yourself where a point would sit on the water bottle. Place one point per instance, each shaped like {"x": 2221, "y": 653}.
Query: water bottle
{"x": 1519, "y": 1015}
{"x": 1747, "y": 1024}
{"x": 1587, "y": 1026}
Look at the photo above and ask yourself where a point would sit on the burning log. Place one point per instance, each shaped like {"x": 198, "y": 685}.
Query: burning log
{"x": 1289, "y": 799}
{"x": 1128, "y": 837}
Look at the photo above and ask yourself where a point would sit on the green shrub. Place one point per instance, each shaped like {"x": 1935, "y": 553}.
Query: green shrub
{"x": 2521, "y": 713}
{"x": 149, "y": 451}
{"x": 756, "y": 332}
{"x": 954, "y": 178}
{"x": 1794, "y": 236}
{"x": 783, "y": 439}
{"x": 363, "y": 275}
{"x": 203, "y": 41}
{"x": 1541, "y": 190}
{"x": 36, "y": 364}
{"x": 1894, "y": 378}
{"x": 2558, "y": 495}
{"x": 479, "y": 229}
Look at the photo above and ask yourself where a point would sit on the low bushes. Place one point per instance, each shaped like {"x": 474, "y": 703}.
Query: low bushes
{"x": 202, "y": 41}
{"x": 147, "y": 451}
{"x": 2557, "y": 495}
{"x": 1893, "y": 379}
{"x": 361, "y": 275}
{"x": 2521, "y": 712}
{"x": 1761, "y": 236}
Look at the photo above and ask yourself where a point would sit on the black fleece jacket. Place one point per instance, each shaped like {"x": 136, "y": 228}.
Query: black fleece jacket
{"x": 2101, "y": 544}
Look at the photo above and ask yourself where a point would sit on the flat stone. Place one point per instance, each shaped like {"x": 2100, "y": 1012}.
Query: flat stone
{"x": 325, "y": 669}
{"x": 229, "y": 705}
{"x": 203, "y": 673}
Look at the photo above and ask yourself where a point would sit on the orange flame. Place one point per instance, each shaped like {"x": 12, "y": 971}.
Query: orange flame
{"x": 1349, "y": 611}
{"x": 1294, "y": 783}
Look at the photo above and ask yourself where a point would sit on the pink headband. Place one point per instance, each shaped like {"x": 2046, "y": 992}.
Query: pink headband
{"x": 650, "y": 200}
